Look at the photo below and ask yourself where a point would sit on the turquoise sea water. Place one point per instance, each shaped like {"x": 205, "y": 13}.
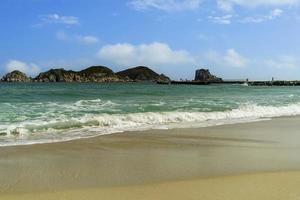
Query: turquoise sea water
{"x": 40, "y": 112}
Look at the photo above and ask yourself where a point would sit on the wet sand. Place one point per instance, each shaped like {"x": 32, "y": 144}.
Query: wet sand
{"x": 185, "y": 163}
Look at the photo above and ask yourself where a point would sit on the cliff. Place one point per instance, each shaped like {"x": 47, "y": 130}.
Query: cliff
{"x": 16, "y": 76}
{"x": 203, "y": 75}
{"x": 141, "y": 73}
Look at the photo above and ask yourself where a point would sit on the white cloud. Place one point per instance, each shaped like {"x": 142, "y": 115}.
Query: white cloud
{"x": 230, "y": 59}
{"x": 234, "y": 59}
{"x": 225, "y": 5}
{"x": 262, "y": 18}
{"x": 57, "y": 19}
{"x": 84, "y": 39}
{"x": 165, "y": 5}
{"x": 88, "y": 39}
{"x": 28, "y": 68}
{"x": 283, "y": 62}
{"x": 228, "y": 5}
{"x": 226, "y": 19}
{"x": 275, "y": 13}
{"x": 145, "y": 54}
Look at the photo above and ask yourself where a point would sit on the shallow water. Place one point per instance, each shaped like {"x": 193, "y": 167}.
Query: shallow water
{"x": 49, "y": 112}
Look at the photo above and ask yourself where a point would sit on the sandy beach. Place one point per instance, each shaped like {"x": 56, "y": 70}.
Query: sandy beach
{"x": 273, "y": 186}
{"x": 149, "y": 100}
{"x": 258, "y": 160}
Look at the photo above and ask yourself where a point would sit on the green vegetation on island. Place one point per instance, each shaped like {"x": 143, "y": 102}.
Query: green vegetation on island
{"x": 91, "y": 74}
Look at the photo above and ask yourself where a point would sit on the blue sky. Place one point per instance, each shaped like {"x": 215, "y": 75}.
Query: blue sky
{"x": 256, "y": 39}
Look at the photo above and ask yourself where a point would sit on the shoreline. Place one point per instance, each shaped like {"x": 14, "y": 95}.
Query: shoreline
{"x": 154, "y": 157}
{"x": 141, "y": 130}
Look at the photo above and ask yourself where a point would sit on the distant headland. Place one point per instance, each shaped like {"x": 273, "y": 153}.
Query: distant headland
{"x": 97, "y": 74}
{"x": 102, "y": 74}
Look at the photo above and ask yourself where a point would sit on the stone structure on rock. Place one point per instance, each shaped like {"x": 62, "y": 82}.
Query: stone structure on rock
{"x": 203, "y": 75}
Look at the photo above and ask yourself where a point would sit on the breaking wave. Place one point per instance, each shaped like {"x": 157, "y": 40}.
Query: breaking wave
{"x": 89, "y": 125}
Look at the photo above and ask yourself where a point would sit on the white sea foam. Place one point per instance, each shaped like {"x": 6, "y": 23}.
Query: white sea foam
{"x": 65, "y": 128}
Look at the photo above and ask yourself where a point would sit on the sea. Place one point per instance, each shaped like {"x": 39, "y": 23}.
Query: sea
{"x": 32, "y": 113}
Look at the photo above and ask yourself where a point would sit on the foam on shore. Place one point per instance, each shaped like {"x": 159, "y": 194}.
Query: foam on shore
{"x": 90, "y": 125}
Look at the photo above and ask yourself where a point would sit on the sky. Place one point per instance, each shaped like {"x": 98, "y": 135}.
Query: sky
{"x": 235, "y": 39}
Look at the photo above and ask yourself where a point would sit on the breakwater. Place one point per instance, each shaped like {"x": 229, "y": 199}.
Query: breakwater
{"x": 250, "y": 83}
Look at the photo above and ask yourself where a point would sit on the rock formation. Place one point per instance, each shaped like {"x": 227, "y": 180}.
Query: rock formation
{"x": 203, "y": 75}
{"x": 16, "y": 76}
{"x": 163, "y": 78}
{"x": 56, "y": 75}
{"x": 98, "y": 74}
{"x": 91, "y": 74}
{"x": 141, "y": 73}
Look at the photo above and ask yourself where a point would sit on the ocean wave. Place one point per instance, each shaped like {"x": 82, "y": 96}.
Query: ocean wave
{"x": 61, "y": 129}
{"x": 96, "y": 102}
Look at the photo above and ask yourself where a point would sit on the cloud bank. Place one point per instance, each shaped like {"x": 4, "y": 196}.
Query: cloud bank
{"x": 155, "y": 53}
{"x": 231, "y": 58}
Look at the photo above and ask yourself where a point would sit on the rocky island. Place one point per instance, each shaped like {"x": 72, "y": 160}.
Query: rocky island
{"x": 16, "y": 76}
{"x": 202, "y": 77}
{"x": 91, "y": 74}
{"x": 102, "y": 74}
{"x": 141, "y": 73}
{"x": 97, "y": 74}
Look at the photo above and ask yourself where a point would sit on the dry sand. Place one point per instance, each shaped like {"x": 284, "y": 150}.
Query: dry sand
{"x": 265, "y": 186}
{"x": 223, "y": 162}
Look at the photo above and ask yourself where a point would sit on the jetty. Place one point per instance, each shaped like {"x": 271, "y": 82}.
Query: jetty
{"x": 204, "y": 77}
{"x": 232, "y": 82}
